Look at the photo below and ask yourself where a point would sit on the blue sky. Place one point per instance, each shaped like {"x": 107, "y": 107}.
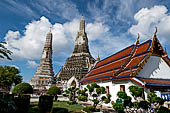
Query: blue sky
{"x": 111, "y": 25}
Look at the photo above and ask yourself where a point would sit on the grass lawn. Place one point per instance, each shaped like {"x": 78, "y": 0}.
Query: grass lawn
{"x": 76, "y": 108}
{"x": 72, "y": 108}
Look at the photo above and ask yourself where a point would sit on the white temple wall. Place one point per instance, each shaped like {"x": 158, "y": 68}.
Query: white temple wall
{"x": 155, "y": 67}
{"x": 114, "y": 88}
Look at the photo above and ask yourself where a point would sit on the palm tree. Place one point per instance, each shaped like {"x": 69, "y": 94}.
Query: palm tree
{"x": 4, "y": 52}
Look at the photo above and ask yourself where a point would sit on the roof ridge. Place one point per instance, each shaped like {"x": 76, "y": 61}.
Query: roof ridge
{"x": 127, "y": 61}
{"x": 116, "y": 53}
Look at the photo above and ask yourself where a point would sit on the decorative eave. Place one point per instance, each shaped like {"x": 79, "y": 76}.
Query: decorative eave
{"x": 152, "y": 82}
{"x": 128, "y": 60}
{"x": 152, "y": 52}
{"x": 159, "y": 50}
{"x": 143, "y": 62}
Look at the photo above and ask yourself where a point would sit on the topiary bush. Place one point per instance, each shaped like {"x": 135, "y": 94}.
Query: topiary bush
{"x": 7, "y": 104}
{"x": 163, "y": 110}
{"x": 22, "y": 103}
{"x": 127, "y": 102}
{"x": 82, "y": 98}
{"x": 144, "y": 105}
{"x": 135, "y": 91}
{"x": 45, "y": 103}
{"x": 118, "y": 108}
{"x": 22, "y": 88}
{"x": 71, "y": 102}
{"x": 106, "y": 101}
{"x": 90, "y": 109}
{"x": 158, "y": 100}
{"x": 54, "y": 90}
{"x": 122, "y": 94}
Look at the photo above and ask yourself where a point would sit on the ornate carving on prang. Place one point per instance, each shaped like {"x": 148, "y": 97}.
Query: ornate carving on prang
{"x": 78, "y": 64}
{"x": 44, "y": 74}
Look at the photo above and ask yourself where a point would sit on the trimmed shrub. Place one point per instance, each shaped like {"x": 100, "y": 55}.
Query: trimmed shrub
{"x": 127, "y": 102}
{"x": 135, "y": 104}
{"x": 150, "y": 96}
{"x": 22, "y": 88}
{"x": 158, "y": 100}
{"x": 122, "y": 94}
{"x": 22, "y": 103}
{"x": 144, "y": 105}
{"x": 82, "y": 98}
{"x": 54, "y": 90}
{"x": 90, "y": 109}
{"x": 163, "y": 110}
{"x": 118, "y": 108}
{"x": 45, "y": 103}
{"x": 7, "y": 104}
{"x": 71, "y": 102}
{"x": 135, "y": 91}
{"x": 106, "y": 100}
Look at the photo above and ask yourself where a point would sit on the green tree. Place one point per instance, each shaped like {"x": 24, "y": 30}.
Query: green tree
{"x": 163, "y": 110}
{"x": 71, "y": 93}
{"x": 4, "y": 52}
{"x": 82, "y": 94}
{"x": 122, "y": 94}
{"x": 96, "y": 91}
{"x": 54, "y": 91}
{"x": 150, "y": 96}
{"x": 22, "y": 88}
{"x": 144, "y": 105}
{"x": 135, "y": 91}
{"x": 156, "y": 101}
{"x": 9, "y": 75}
{"x": 127, "y": 100}
{"x": 118, "y": 108}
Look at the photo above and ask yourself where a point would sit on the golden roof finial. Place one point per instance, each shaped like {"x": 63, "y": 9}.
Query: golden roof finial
{"x": 98, "y": 57}
{"x": 137, "y": 41}
{"x": 82, "y": 17}
{"x": 138, "y": 36}
{"x": 155, "y": 31}
{"x": 154, "y": 37}
{"x": 165, "y": 51}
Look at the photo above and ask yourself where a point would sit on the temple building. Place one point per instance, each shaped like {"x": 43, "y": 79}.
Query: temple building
{"x": 144, "y": 64}
{"x": 44, "y": 76}
{"x": 76, "y": 66}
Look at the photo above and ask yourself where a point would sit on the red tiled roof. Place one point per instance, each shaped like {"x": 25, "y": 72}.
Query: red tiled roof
{"x": 152, "y": 82}
{"x": 123, "y": 63}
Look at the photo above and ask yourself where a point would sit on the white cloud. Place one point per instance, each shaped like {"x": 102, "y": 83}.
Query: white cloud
{"x": 148, "y": 19}
{"x": 32, "y": 64}
{"x": 29, "y": 46}
{"x": 95, "y": 30}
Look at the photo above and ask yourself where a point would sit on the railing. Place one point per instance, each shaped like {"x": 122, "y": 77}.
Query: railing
{"x": 165, "y": 96}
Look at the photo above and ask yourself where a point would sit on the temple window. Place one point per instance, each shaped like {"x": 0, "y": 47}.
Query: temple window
{"x": 107, "y": 89}
{"x": 122, "y": 88}
{"x": 143, "y": 94}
